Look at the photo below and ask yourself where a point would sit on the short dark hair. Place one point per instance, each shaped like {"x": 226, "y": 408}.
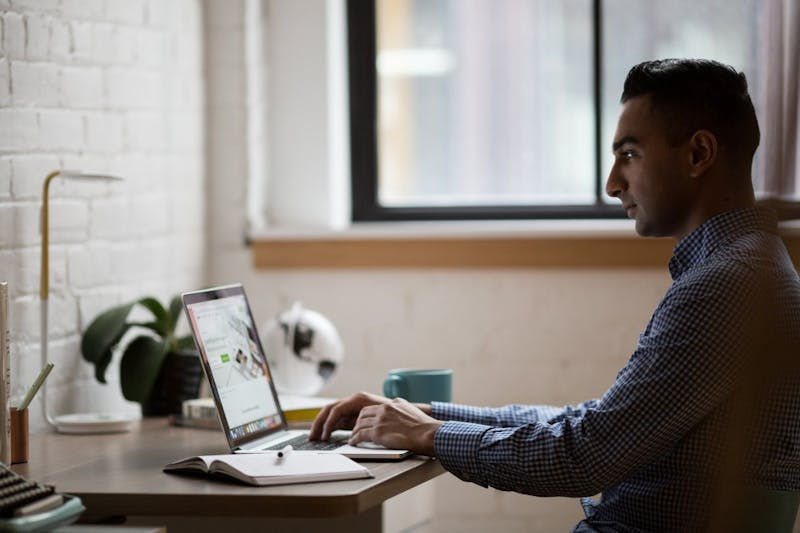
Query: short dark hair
{"x": 695, "y": 94}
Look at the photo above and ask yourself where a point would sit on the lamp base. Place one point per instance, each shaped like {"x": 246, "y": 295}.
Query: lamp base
{"x": 87, "y": 423}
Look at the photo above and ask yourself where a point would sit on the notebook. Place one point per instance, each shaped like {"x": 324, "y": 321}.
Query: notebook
{"x": 238, "y": 374}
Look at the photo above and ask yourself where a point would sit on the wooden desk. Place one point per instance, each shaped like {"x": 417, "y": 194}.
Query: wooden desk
{"x": 120, "y": 475}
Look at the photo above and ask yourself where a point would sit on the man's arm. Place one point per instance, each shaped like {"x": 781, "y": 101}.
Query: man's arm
{"x": 688, "y": 365}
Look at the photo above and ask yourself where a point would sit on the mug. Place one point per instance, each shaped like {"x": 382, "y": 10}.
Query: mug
{"x": 420, "y": 385}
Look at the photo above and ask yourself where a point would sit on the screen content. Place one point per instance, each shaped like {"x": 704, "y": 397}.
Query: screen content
{"x": 227, "y": 340}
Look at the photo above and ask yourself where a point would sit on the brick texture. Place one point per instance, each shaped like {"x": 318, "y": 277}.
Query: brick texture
{"x": 103, "y": 86}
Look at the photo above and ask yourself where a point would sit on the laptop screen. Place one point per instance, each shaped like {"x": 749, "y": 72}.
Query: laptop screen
{"x": 234, "y": 363}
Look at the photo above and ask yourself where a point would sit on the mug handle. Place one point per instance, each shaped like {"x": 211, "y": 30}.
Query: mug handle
{"x": 395, "y": 386}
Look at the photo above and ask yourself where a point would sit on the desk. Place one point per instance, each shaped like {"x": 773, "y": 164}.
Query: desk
{"x": 120, "y": 475}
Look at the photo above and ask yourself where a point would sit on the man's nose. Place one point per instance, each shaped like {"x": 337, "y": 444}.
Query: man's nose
{"x": 615, "y": 184}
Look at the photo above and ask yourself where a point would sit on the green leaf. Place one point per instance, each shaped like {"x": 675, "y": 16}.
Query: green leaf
{"x": 160, "y": 314}
{"x": 101, "y": 365}
{"x": 139, "y": 368}
{"x": 102, "y": 335}
{"x": 152, "y": 326}
{"x": 185, "y": 344}
{"x": 175, "y": 310}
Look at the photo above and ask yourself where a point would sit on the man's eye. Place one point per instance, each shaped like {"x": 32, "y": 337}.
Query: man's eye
{"x": 628, "y": 155}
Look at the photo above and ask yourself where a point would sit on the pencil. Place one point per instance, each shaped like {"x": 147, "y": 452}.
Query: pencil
{"x": 35, "y": 387}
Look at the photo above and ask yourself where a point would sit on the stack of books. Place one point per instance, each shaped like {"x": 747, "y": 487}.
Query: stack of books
{"x": 300, "y": 411}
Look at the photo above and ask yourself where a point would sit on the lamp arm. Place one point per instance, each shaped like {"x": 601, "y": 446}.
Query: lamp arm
{"x": 44, "y": 282}
{"x": 44, "y": 286}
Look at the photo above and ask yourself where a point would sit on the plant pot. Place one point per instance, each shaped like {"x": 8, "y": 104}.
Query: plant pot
{"x": 179, "y": 380}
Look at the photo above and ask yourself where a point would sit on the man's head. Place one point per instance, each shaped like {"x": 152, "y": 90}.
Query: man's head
{"x": 684, "y": 144}
{"x": 695, "y": 94}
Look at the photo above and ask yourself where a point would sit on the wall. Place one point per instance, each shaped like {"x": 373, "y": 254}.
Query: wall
{"x": 108, "y": 86}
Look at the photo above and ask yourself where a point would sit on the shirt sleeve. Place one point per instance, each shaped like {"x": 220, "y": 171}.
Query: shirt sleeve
{"x": 683, "y": 367}
{"x": 509, "y": 415}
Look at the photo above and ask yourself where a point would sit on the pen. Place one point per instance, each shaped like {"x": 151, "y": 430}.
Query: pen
{"x": 286, "y": 449}
{"x": 35, "y": 387}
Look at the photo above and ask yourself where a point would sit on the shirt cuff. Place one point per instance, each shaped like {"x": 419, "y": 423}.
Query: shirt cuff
{"x": 456, "y": 445}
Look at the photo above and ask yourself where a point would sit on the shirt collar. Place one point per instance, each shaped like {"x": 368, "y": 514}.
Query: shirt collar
{"x": 700, "y": 243}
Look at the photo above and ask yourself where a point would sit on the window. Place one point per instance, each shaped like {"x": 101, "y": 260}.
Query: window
{"x": 474, "y": 109}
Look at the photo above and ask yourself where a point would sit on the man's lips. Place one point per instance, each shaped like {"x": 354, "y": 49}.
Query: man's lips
{"x": 628, "y": 208}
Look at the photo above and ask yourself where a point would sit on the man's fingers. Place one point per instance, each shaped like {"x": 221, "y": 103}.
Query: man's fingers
{"x": 363, "y": 430}
{"x": 332, "y": 422}
{"x": 319, "y": 421}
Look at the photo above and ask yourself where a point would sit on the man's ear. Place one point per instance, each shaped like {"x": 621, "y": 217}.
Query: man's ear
{"x": 703, "y": 152}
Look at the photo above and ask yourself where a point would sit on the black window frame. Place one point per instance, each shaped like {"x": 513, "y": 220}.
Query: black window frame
{"x": 362, "y": 47}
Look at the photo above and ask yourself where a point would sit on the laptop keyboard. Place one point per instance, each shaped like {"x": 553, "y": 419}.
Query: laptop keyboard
{"x": 301, "y": 442}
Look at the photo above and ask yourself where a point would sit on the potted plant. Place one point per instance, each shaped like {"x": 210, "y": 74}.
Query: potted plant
{"x": 158, "y": 369}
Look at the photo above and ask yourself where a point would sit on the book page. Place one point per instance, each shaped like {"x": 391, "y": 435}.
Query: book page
{"x": 295, "y": 464}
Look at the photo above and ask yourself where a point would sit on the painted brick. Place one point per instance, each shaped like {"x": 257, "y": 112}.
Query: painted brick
{"x": 61, "y": 129}
{"x": 5, "y": 82}
{"x": 187, "y": 131}
{"x": 153, "y": 52}
{"x": 23, "y": 219}
{"x": 156, "y": 13}
{"x": 110, "y": 218}
{"x": 124, "y": 45}
{"x": 102, "y": 39}
{"x": 103, "y": 132}
{"x": 69, "y": 222}
{"x": 60, "y": 42}
{"x": 5, "y": 179}
{"x": 82, "y": 9}
{"x": 6, "y": 225}
{"x": 18, "y": 129}
{"x": 149, "y": 47}
{"x": 28, "y": 173}
{"x": 89, "y": 266}
{"x": 63, "y": 314}
{"x": 34, "y": 5}
{"x": 34, "y": 83}
{"x": 37, "y": 43}
{"x": 129, "y": 11}
{"x": 82, "y": 87}
{"x": 82, "y": 41}
{"x": 27, "y": 263}
{"x": 25, "y": 319}
{"x": 145, "y": 132}
{"x": 149, "y": 215}
{"x": 133, "y": 88}
{"x": 13, "y": 35}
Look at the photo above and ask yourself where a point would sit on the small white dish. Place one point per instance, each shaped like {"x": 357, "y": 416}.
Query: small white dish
{"x": 87, "y": 423}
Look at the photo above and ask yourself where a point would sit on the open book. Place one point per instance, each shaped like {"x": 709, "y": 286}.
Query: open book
{"x": 268, "y": 469}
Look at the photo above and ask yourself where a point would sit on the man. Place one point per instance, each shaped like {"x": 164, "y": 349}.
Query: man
{"x": 707, "y": 409}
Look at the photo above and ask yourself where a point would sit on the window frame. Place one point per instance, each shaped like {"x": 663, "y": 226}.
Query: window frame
{"x": 361, "y": 51}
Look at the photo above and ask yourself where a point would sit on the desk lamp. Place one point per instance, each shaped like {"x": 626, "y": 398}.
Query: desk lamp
{"x": 82, "y": 422}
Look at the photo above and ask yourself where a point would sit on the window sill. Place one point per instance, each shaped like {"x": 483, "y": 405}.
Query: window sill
{"x": 471, "y": 245}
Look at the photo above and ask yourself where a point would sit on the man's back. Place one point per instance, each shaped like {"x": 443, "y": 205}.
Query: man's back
{"x": 727, "y": 331}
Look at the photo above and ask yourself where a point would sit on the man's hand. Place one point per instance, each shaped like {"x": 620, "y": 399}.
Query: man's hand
{"x": 397, "y": 424}
{"x": 342, "y": 414}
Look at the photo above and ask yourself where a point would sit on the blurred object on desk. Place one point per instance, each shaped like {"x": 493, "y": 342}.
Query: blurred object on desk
{"x": 300, "y": 411}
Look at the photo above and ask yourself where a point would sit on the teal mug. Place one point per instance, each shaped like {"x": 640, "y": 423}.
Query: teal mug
{"x": 419, "y": 385}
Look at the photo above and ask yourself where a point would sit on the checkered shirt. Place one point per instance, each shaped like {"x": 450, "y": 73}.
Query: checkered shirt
{"x": 653, "y": 444}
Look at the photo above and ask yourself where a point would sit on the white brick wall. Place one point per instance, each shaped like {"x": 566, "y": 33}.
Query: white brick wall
{"x": 106, "y": 86}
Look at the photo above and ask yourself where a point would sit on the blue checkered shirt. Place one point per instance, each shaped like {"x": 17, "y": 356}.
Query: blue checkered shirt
{"x": 654, "y": 443}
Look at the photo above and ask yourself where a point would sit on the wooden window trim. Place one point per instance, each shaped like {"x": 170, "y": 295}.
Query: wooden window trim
{"x": 469, "y": 252}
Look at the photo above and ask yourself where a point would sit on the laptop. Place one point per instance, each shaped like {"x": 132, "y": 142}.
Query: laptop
{"x": 238, "y": 374}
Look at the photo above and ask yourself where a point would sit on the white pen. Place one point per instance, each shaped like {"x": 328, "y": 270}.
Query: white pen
{"x": 286, "y": 449}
